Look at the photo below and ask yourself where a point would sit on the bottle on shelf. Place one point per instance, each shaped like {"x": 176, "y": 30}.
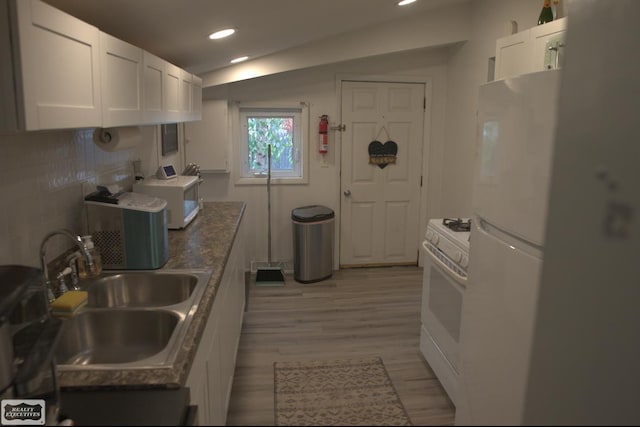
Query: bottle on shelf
{"x": 546, "y": 14}
{"x": 83, "y": 269}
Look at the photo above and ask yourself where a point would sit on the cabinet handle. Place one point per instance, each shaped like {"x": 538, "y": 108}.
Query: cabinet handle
{"x": 556, "y": 49}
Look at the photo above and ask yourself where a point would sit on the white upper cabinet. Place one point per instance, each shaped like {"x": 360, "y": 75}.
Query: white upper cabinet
{"x": 513, "y": 55}
{"x": 172, "y": 85}
{"x": 206, "y": 142}
{"x": 196, "y": 98}
{"x": 547, "y": 44}
{"x": 154, "y": 94}
{"x": 539, "y": 48}
{"x": 59, "y": 72}
{"x": 186, "y": 94}
{"x": 122, "y": 75}
{"x": 57, "y": 68}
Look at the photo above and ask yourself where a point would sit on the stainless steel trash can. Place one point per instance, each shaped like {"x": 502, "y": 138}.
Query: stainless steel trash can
{"x": 312, "y": 243}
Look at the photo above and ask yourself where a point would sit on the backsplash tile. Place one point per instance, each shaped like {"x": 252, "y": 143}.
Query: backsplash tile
{"x": 43, "y": 178}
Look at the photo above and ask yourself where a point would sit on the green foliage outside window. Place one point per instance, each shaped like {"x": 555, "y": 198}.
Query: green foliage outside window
{"x": 276, "y": 131}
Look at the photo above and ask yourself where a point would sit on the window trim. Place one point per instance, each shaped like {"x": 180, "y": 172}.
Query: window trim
{"x": 240, "y": 151}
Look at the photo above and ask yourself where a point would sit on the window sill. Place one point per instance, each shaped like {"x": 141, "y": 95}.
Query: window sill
{"x": 274, "y": 181}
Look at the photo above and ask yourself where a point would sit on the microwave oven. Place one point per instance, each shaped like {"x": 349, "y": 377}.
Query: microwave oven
{"x": 181, "y": 194}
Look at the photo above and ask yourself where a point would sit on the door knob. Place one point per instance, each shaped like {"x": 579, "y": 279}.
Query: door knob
{"x": 347, "y": 193}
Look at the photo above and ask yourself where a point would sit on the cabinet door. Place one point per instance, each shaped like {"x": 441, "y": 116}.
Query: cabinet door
{"x": 154, "y": 89}
{"x": 513, "y": 55}
{"x": 59, "y": 67}
{"x": 199, "y": 391}
{"x": 8, "y": 113}
{"x": 217, "y": 414}
{"x": 186, "y": 89}
{"x": 548, "y": 45}
{"x": 122, "y": 76}
{"x": 172, "y": 85}
{"x": 206, "y": 141}
{"x": 196, "y": 98}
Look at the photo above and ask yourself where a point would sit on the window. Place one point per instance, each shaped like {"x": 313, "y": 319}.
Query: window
{"x": 285, "y": 130}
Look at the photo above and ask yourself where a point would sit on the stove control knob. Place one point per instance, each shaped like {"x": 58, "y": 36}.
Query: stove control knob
{"x": 429, "y": 235}
{"x": 434, "y": 239}
{"x": 465, "y": 261}
{"x": 458, "y": 256}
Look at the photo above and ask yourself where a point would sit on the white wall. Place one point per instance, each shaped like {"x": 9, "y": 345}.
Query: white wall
{"x": 42, "y": 180}
{"x": 317, "y": 86}
{"x": 466, "y": 71}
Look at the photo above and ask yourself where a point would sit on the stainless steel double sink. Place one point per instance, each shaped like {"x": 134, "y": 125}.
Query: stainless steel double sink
{"x": 133, "y": 319}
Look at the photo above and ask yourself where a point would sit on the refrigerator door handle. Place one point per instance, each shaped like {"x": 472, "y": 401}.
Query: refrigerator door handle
{"x": 461, "y": 280}
{"x": 510, "y": 239}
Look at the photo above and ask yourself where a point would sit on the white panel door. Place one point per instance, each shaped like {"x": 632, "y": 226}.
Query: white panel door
{"x": 380, "y": 203}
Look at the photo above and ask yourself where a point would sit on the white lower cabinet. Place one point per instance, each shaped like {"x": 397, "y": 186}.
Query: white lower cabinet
{"x": 211, "y": 376}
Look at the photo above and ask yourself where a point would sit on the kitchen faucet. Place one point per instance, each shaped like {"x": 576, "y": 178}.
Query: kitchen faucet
{"x": 78, "y": 242}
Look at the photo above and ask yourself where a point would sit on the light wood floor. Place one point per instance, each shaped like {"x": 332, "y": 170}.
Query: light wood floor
{"x": 358, "y": 312}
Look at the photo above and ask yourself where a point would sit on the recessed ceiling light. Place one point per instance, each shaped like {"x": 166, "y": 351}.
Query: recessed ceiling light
{"x": 240, "y": 59}
{"x": 222, "y": 33}
{"x": 405, "y": 2}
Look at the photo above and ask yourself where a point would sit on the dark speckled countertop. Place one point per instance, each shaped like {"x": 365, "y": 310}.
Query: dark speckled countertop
{"x": 204, "y": 244}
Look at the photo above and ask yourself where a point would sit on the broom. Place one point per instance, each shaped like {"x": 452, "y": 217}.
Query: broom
{"x": 269, "y": 275}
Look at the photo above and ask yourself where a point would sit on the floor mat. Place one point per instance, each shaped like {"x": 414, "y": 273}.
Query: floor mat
{"x": 336, "y": 392}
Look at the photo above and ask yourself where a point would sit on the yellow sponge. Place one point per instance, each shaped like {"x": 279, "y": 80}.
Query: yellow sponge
{"x": 68, "y": 303}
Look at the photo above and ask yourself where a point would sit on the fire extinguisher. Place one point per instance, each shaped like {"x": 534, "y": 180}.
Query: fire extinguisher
{"x": 323, "y": 128}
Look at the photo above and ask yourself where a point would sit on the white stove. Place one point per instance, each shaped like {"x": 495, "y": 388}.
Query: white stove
{"x": 446, "y": 247}
{"x": 451, "y": 238}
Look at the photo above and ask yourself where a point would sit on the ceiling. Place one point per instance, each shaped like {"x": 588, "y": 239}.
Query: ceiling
{"x": 177, "y": 30}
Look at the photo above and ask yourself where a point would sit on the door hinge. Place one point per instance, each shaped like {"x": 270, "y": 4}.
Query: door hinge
{"x": 424, "y": 103}
{"x": 420, "y": 180}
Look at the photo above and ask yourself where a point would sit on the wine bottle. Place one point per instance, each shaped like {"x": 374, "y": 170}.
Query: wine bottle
{"x": 546, "y": 15}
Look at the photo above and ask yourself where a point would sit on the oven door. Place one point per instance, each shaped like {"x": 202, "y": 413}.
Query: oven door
{"x": 442, "y": 291}
{"x": 191, "y": 203}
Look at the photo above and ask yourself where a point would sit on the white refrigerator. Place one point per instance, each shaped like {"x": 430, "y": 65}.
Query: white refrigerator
{"x": 516, "y": 119}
